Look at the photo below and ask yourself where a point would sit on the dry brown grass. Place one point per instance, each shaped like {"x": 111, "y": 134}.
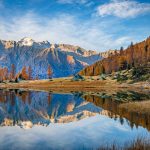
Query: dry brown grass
{"x": 137, "y": 144}
{"x": 67, "y": 85}
{"x": 138, "y": 107}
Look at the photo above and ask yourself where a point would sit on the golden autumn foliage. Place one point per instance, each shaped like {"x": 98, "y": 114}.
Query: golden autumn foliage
{"x": 24, "y": 74}
{"x": 113, "y": 108}
{"x": 4, "y": 74}
{"x": 133, "y": 56}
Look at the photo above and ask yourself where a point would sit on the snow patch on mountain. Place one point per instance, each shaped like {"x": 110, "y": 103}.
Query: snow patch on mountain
{"x": 26, "y": 41}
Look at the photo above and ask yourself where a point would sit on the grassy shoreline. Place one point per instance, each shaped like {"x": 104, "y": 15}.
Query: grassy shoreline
{"x": 67, "y": 84}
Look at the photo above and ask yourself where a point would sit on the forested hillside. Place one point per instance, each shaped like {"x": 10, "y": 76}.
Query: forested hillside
{"x": 134, "y": 56}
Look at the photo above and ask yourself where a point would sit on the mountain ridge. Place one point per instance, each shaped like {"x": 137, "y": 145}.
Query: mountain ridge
{"x": 64, "y": 59}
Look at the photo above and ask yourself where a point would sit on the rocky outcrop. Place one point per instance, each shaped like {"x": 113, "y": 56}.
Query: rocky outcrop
{"x": 108, "y": 53}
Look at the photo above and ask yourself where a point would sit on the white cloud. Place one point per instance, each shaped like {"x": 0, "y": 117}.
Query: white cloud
{"x": 123, "y": 8}
{"x": 62, "y": 29}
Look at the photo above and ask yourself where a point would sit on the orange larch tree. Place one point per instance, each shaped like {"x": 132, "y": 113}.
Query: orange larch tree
{"x": 24, "y": 74}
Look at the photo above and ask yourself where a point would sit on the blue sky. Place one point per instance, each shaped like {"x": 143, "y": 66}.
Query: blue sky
{"x": 92, "y": 24}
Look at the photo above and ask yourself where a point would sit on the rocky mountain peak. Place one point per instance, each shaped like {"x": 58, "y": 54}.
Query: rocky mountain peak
{"x": 26, "y": 41}
{"x": 6, "y": 44}
{"x": 108, "y": 53}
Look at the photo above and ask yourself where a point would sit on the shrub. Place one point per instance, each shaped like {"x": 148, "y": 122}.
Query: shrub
{"x": 16, "y": 80}
{"x": 103, "y": 77}
{"x": 78, "y": 77}
{"x": 140, "y": 73}
{"x": 120, "y": 77}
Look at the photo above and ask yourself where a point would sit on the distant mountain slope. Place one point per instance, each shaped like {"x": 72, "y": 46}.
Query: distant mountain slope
{"x": 133, "y": 56}
{"x": 64, "y": 59}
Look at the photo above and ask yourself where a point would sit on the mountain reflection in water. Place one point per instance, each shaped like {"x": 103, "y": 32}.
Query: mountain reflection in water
{"x": 67, "y": 121}
{"x": 28, "y": 108}
{"x": 18, "y": 107}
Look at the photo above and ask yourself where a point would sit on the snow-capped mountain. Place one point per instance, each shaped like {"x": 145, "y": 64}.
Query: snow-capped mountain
{"x": 26, "y": 42}
{"x": 30, "y": 42}
{"x": 64, "y": 59}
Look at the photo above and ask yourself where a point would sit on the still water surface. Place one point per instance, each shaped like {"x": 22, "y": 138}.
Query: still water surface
{"x": 43, "y": 120}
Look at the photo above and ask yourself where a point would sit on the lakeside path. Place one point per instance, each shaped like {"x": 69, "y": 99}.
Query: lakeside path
{"x": 67, "y": 85}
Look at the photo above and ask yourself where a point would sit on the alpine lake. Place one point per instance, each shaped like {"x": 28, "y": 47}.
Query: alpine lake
{"x": 76, "y": 120}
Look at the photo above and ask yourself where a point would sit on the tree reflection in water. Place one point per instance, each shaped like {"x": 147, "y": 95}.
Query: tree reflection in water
{"x": 111, "y": 105}
{"x": 17, "y": 106}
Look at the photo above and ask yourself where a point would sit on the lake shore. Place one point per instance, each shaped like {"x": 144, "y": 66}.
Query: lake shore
{"x": 68, "y": 85}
